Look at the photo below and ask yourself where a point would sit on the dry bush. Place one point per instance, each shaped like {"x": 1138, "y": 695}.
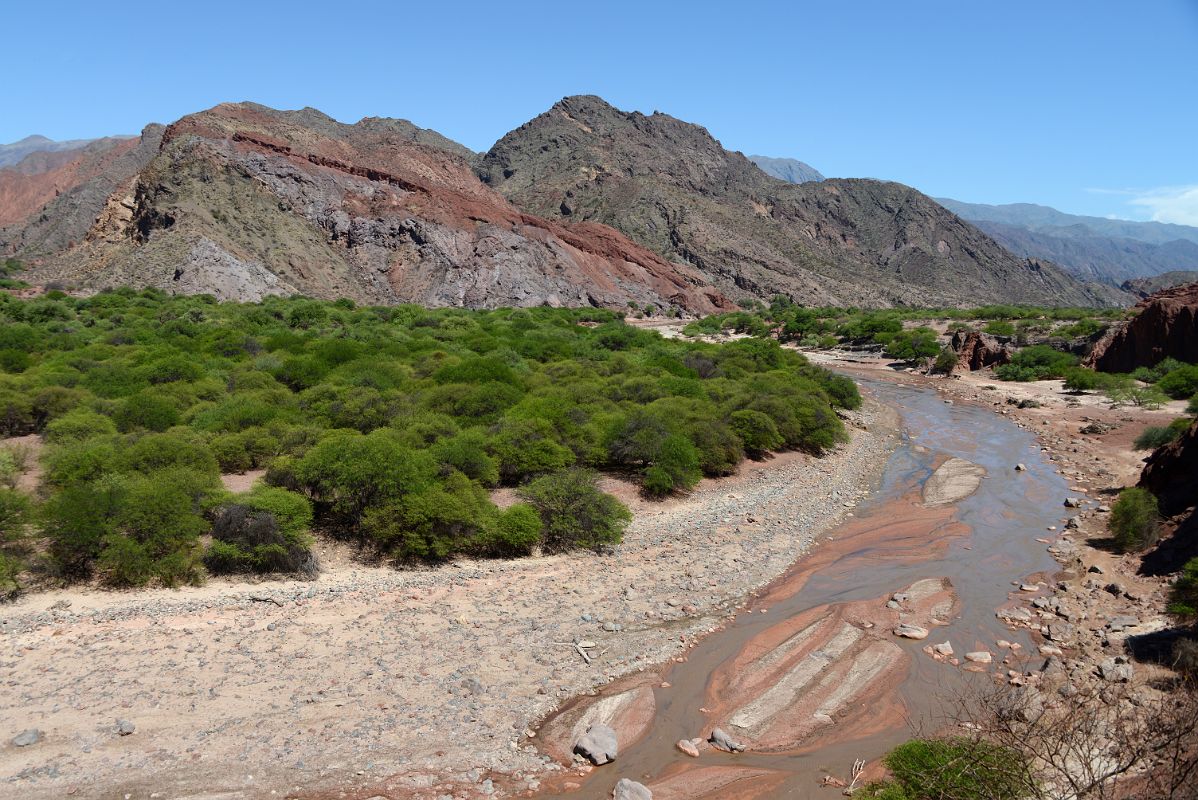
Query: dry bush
{"x": 1111, "y": 742}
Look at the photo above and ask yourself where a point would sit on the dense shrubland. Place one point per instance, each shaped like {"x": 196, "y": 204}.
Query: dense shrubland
{"x": 1043, "y": 337}
{"x": 388, "y": 426}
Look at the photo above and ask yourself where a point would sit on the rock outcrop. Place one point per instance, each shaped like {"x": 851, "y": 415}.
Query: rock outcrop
{"x": 1164, "y": 325}
{"x": 243, "y": 201}
{"x": 976, "y": 350}
{"x": 1172, "y": 473}
{"x": 673, "y": 188}
{"x": 49, "y": 200}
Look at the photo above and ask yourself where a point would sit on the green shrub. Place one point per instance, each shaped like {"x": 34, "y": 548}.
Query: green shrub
{"x": 434, "y": 522}
{"x": 575, "y": 513}
{"x": 1156, "y": 371}
{"x": 1135, "y": 519}
{"x": 1153, "y": 437}
{"x": 913, "y": 345}
{"x": 946, "y": 361}
{"x": 1126, "y": 392}
{"x": 757, "y": 430}
{"x": 346, "y": 474}
{"x": 953, "y": 769}
{"x": 264, "y": 530}
{"x": 10, "y": 571}
{"x": 1080, "y": 379}
{"x": 675, "y": 467}
{"x": 146, "y": 411}
{"x": 999, "y": 327}
{"x": 1038, "y": 362}
{"x": 78, "y": 425}
{"x": 1183, "y": 596}
{"x": 1180, "y": 383}
{"x": 517, "y": 531}
{"x": 527, "y": 447}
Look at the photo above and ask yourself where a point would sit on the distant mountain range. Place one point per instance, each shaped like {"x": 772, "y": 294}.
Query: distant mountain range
{"x": 790, "y": 170}
{"x": 584, "y": 205}
{"x": 11, "y": 154}
{"x": 1093, "y": 248}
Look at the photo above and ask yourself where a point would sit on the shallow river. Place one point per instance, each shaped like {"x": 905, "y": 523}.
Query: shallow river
{"x": 981, "y": 544}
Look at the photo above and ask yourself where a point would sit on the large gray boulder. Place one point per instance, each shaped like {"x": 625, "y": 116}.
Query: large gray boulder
{"x": 631, "y": 790}
{"x": 598, "y": 744}
{"x": 722, "y": 741}
{"x": 27, "y": 737}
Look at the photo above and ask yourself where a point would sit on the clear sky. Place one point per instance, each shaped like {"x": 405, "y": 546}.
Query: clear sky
{"x": 1091, "y": 107}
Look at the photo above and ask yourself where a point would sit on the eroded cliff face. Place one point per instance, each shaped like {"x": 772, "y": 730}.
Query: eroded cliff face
{"x": 50, "y": 200}
{"x": 1165, "y": 325}
{"x": 243, "y": 201}
{"x": 1172, "y": 473}
{"x": 976, "y": 350}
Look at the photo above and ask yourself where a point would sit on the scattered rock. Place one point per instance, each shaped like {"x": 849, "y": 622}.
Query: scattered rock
{"x": 1116, "y": 669}
{"x": 124, "y": 727}
{"x": 27, "y": 737}
{"x": 598, "y": 744}
{"x": 1021, "y": 468}
{"x": 979, "y": 657}
{"x": 943, "y": 649}
{"x": 1072, "y": 502}
{"x": 908, "y": 631}
{"x": 722, "y": 741}
{"x": 688, "y": 747}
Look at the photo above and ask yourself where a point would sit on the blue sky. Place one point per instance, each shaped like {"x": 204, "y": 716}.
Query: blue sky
{"x": 1091, "y": 107}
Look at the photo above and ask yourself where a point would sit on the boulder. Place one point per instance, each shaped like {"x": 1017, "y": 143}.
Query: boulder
{"x": 979, "y": 657}
{"x": 631, "y": 790}
{"x": 124, "y": 727}
{"x": 1115, "y": 669}
{"x": 976, "y": 350}
{"x": 598, "y": 744}
{"x": 27, "y": 737}
{"x": 688, "y": 747}
{"x": 943, "y": 649}
{"x": 722, "y": 741}
{"x": 908, "y": 631}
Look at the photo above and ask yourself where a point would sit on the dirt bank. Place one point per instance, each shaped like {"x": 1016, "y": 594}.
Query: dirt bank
{"x": 370, "y": 681}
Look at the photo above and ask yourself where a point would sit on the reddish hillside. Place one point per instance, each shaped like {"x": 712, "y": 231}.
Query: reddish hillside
{"x": 244, "y": 201}
{"x": 1165, "y": 325}
{"x": 40, "y": 177}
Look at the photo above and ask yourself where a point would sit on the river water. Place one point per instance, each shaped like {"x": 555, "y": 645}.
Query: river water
{"x": 982, "y": 544}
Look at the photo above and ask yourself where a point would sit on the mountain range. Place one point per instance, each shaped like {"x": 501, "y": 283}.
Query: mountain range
{"x": 1092, "y": 248}
{"x": 583, "y": 205}
{"x": 790, "y": 170}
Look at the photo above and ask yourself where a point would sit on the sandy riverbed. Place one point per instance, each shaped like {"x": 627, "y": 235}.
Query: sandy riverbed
{"x": 369, "y": 680}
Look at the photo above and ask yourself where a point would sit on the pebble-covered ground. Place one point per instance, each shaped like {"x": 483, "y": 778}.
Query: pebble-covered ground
{"x": 421, "y": 683}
